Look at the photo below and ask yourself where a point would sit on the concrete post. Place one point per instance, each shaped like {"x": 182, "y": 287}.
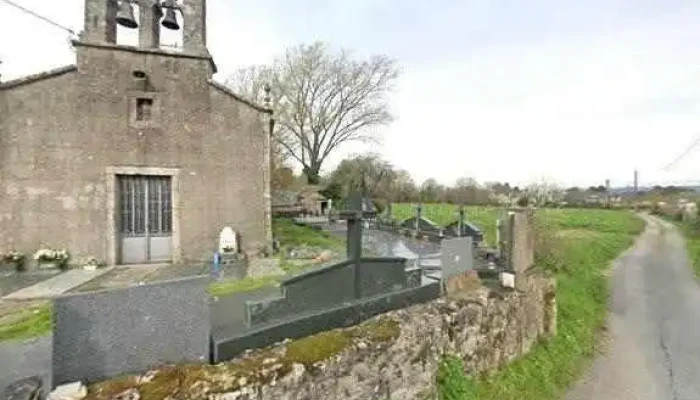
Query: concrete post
{"x": 498, "y": 235}
{"x": 419, "y": 211}
{"x": 460, "y": 222}
{"x": 354, "y": 238}
{"x": 521, "y": 252}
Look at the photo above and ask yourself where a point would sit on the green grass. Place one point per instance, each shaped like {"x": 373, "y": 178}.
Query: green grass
{"x": 26, "y": 323}
{"x": 580, "y": 262}
{"x": 228, "y": 287}
{"x": 485, "y": 217}
{"x": 443, "y": 214}
{"x": 691, "y": 233}
{"x": 290, "y": 234}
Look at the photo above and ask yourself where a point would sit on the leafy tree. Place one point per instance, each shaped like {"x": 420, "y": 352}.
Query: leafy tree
{"x": 431, "y": 191}
{"x": 333, "y": 191}
{"x": 370, "y": 169}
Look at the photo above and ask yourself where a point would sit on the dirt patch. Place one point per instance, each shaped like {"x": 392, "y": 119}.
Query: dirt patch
{"x": 10, "y": 308}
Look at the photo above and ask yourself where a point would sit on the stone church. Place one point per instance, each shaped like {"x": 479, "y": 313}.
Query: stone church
{"x": 134, "y": 154}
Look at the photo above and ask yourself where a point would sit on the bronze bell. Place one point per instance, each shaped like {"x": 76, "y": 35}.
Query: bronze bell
{"x": 170, "y": 20}
{"x": 125, "y": 15}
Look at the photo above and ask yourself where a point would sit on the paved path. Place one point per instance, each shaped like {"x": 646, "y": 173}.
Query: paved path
{"x": 653, "y": 350}
{"x": 11, "y": 281}
{"x": 57, "y": 285}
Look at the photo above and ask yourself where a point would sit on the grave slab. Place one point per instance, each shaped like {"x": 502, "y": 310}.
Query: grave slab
{"x": 101, "y": 335}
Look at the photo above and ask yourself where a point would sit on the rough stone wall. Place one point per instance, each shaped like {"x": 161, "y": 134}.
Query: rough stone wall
{"x": 393, "y": 356}
{"x": 486, "y": 332}
{"x": 62, "y": 133}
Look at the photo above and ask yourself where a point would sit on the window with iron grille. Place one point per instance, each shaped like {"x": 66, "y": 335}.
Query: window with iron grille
{"x": 145, "y": 204}
{"x": 144, "y": 109}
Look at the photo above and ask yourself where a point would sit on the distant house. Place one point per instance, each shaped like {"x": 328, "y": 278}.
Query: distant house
{"x": 286, "y": 203}
{"x": 500, "y": 198}
{"x": 307, "y": 200}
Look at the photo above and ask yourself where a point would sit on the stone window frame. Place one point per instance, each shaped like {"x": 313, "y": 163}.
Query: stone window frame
{"x": 112, "y": 213}
{"x": 154, "y": 122}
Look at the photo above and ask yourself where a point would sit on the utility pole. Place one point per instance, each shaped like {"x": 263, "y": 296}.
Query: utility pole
{"x": 608, "y": 200}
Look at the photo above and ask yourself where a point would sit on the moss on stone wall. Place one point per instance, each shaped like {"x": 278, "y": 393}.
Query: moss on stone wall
{"x": 256, "y": 368}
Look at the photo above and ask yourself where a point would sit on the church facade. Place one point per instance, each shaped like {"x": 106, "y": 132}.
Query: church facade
{"x": 133, "y": 155}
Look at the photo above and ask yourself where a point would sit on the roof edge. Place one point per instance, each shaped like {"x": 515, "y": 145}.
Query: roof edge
{"x": 243, "y": 100}
{"x": 38, "y": 77}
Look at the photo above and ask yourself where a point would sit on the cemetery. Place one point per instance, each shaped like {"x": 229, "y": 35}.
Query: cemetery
{"x": 103, "y": 335}
{"x": 419, "y": 226}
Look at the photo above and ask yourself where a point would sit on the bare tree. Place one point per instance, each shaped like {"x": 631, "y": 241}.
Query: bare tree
{"x": 323, "y": 100}
{"x": 250, "y": 83}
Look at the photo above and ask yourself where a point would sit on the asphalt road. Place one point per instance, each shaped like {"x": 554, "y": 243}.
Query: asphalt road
{"x": 653, "y": 344}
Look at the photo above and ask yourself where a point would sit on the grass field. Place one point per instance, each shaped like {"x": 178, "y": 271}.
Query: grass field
{"x": 691, "y": 232}
{"x": 578, "y": 245}
{"x": 443, "y": 214}
{"x": 25, "y": 323}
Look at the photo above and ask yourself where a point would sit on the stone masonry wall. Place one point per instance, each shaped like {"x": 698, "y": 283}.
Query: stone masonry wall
{"x": 393, "y": 356}
{"x": 60, "y": 135}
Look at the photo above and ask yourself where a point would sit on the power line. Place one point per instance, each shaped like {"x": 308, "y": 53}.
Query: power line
{"x": 41, "y": 17}
{"x": 681, "y": 156}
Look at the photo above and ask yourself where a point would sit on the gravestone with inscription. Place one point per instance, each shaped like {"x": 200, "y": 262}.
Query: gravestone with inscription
{"x": 457, "y": 256}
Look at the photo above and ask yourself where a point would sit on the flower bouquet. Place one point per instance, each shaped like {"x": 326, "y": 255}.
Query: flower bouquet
{"x": 13, "y": 258}
{"x": 50, "y": 258}
{"x": 90, "y": 263}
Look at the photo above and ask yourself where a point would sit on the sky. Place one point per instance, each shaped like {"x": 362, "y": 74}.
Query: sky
{"x": 571, "y": 92}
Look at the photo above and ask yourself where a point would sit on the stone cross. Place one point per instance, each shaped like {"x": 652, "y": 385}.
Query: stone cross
{"x": 354, "y": 215}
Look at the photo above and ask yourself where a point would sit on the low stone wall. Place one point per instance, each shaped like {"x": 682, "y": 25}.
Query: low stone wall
{"x": 392, "y": 356}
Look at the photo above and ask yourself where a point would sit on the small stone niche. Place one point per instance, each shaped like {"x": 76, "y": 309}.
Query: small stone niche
{"x": 144, "y": 110}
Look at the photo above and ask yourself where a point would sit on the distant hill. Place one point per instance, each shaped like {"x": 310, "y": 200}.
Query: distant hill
{"x": 621, "y": 191}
